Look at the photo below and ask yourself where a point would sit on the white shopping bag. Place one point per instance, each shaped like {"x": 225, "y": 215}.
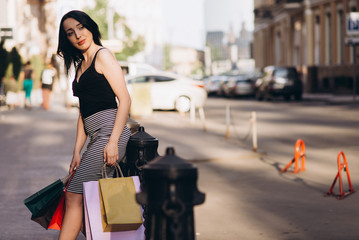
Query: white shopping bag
{"x": 93, "y": 221}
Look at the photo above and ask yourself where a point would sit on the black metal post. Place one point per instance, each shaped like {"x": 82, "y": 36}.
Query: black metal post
{"x": 141, "y": 149}
{"x": 169, "y": 193}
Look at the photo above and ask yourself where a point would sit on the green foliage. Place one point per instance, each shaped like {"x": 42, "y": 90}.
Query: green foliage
{"x": 216, "y": 54}
{"x": 15, "y": 59}
{"x": 98, "y": 14}
{"x": 167, "y": 57}
{"x": 131, "y": 45}
{"x": 37, "y": 65}
{"x": 4, "y": 60}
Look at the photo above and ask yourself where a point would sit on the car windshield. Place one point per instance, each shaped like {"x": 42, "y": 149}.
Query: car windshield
{"x": 150, "y": 79}
{"x": 285, "y": 73}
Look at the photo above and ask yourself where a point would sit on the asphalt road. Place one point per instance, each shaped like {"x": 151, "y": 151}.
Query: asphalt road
{"x": 35, "y": 148}
{"x": 250, "y": 199}
{"x": 326, "y": 128}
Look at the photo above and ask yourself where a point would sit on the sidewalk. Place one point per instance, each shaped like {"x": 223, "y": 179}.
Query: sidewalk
{"x": 331, "y": 98}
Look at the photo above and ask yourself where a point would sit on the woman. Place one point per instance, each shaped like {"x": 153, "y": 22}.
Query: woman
{"x": 27, "y": 76}
{"x": 98, "y": 81}
{"x": 47, "y": 80}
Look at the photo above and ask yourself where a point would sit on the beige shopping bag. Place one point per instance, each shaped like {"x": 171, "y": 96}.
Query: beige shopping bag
{"x": 119, "y": 209}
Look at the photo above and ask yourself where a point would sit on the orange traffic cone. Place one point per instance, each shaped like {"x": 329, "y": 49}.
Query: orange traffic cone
{"x": 299, "y": 152}
{"x": 341, "y": 166}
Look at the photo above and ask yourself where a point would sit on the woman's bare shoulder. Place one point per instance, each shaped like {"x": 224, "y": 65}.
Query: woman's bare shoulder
{"x": 104, "y": 59}
{"x": 105, "y": 55}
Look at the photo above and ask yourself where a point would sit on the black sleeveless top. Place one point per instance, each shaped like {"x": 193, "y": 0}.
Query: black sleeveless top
{"x": 27, "y": 73}
{"x": 93, "y": 90}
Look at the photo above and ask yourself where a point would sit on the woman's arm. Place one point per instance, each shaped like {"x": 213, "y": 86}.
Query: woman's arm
{"x": 111, "y": 69}
{"x": 80, "y": 142}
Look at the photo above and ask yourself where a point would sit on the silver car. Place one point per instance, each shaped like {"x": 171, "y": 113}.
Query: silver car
{"x": 239, "y": 85}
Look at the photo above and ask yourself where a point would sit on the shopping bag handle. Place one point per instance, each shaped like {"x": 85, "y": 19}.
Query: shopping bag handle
{"x": 117, "y": 168}
{"x": 68, "y": 182}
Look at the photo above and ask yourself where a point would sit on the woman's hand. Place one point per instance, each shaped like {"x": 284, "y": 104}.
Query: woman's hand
{"x": 110, "y": 153}
{"x": 75, "y": 163}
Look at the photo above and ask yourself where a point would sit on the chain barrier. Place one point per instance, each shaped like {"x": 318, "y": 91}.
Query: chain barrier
{"x": 237, "y": 135}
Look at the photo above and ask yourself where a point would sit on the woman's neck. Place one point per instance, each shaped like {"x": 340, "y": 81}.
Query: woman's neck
{"x": 90, "y": 52}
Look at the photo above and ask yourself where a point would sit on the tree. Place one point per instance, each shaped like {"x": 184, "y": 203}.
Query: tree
{"x": 131, "y": 45}
{"x": 98, "y": 14}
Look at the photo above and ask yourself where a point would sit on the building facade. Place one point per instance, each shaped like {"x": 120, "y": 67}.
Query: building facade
{"x": 310, "y": 35}
{"x": 34, "y": 24}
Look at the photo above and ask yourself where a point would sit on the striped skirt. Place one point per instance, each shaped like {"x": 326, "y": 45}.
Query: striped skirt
{"x": 98, "y": 128}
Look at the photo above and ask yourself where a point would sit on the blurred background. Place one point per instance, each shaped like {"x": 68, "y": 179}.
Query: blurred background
{"x": 218, "y": 42}
{"x": 190, "y": 38}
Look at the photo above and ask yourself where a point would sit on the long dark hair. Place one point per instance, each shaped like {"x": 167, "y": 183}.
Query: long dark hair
{"x": 65, "y": 49}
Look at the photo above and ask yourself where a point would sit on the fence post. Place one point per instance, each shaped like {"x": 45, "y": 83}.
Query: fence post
{"x": 254, "y": 131}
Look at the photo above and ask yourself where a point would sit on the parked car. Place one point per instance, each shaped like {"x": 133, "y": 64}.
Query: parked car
{"x": 170, "y": 91}
{"x": 279, "y": 81}
{"x": 134, "y": 68}
{"x": 239, "y": 85}
{"x": 213, "y": 84}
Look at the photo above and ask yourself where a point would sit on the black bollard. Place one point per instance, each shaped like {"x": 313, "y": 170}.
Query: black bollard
{"x": 141, "y": 148}
{"x": 169, "y": 192}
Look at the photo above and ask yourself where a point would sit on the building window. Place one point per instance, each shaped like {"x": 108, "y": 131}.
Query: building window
{"x": 278, "y": 55}
{"x": 317, "y": 40}
{"x": 340, "y": 37}
{"x": 353, "y": 9}
{"x": 328, "y": 39}
{"x": 297, "y": 38}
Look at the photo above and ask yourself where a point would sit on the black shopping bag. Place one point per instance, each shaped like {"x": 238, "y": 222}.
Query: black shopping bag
{"x": 41, "y": 199}
{"x": 43, "y": 203}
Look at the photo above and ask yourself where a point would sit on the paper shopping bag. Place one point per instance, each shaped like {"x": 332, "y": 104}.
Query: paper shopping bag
{"x": 56, "y": 220}
{"x": 93, "y": 222}
{"x": 45, "y": 215}
{"x": 47, "y": 204}
{"x": 119, "y": 209}
{"x": 58, "y": 215}
{"x": 37, "y": 202}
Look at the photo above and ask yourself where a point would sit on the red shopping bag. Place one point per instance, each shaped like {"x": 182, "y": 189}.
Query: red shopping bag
{"x": 56, "y": 220}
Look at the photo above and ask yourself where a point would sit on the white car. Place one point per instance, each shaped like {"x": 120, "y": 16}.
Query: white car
{"x": 170, "y": 91}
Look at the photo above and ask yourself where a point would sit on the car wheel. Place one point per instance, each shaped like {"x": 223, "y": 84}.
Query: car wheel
{"x": 183, "y": 104}
{"x": 287, "y": 97}
{"x": 298, "y": 96}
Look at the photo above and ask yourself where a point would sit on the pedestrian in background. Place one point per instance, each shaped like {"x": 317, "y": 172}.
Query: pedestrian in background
{"x": 10, "y": 87}
{"x": 27, "y": 75}
{"x": 47, "y": 80}
{"x": 98, "y": 81}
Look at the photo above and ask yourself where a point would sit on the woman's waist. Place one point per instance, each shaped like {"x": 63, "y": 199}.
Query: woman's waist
{"x": 89, "y": 108}
{"x": 100, "y": 120}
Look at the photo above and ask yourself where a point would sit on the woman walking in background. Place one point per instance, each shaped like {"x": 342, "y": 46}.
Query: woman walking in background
{"x": 98, "y": 82}
{"x": 47, "y": 80}
{"x": 28, "y": 76}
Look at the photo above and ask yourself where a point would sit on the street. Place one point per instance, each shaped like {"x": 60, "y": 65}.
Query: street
{"x": 294, "y": 208}
{"x": 325, "y": 128}
{"x": 246, "y": 196}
